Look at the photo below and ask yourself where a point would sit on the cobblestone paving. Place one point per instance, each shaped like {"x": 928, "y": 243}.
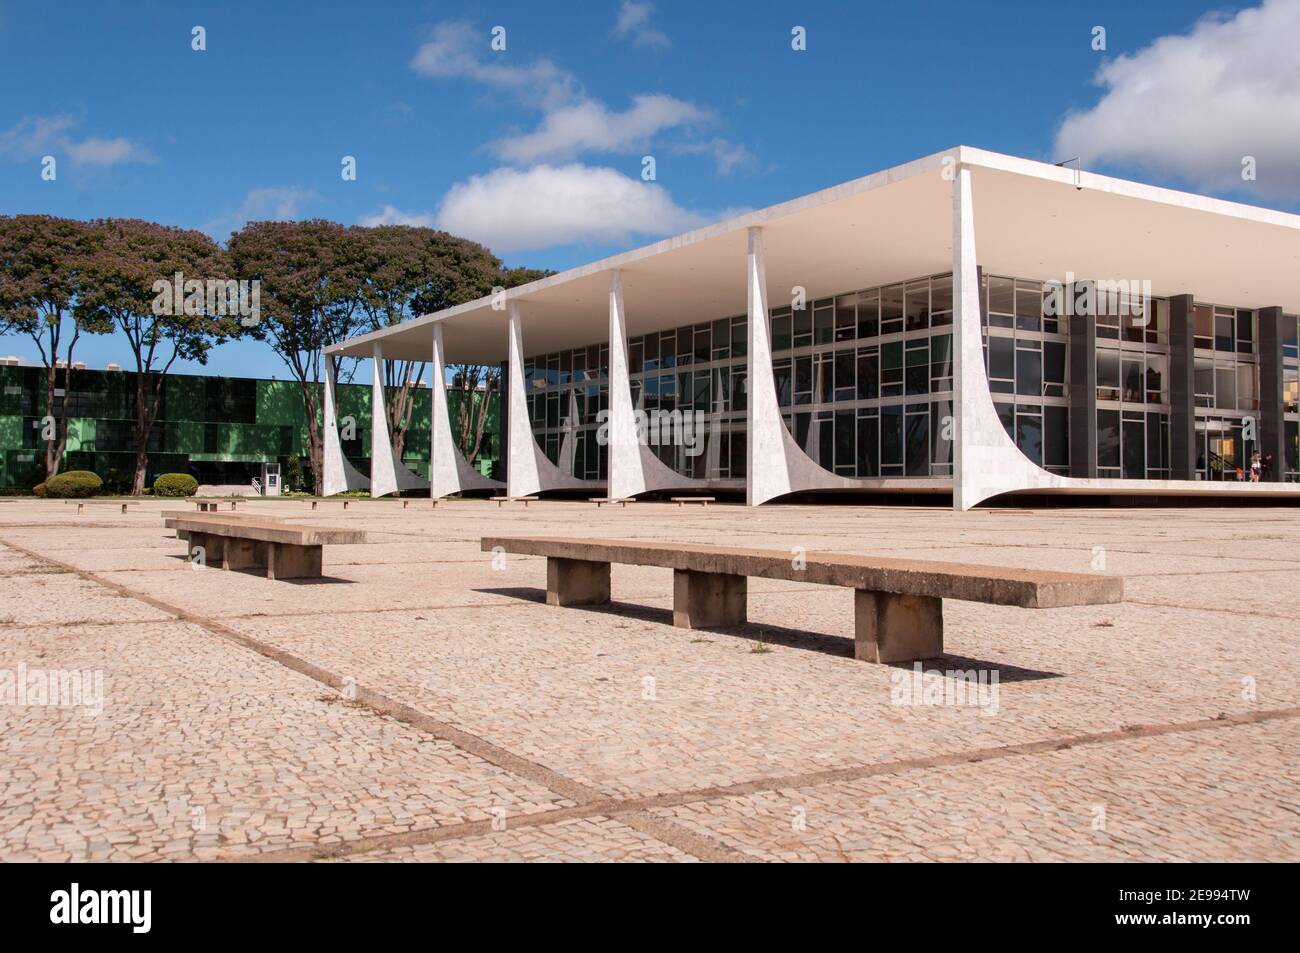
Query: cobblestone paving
{"x": 420, "y": 704}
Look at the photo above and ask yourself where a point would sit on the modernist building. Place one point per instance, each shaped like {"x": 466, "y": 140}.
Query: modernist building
{"x": 221, "y": 430}
{"x": 969, "y": 324}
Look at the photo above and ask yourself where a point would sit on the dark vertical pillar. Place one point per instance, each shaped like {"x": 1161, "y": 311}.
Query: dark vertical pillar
{"x": 1272, "y": 430}
{"x": 1182, "y": 389}
{"x": 503, "y": 422}
{"x": 1083, "y": 384}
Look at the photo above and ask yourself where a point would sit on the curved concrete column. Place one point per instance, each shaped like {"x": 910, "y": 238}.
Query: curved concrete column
{"x": 449, "y": 471}
{"x": 776, "y": 465}
{"x": 986, "y": 461}
{"x": 528, "y": 470}
{"x": 340, "y": 475}
{"x": 387, "y": 473}
{"x": 632, "y": 466}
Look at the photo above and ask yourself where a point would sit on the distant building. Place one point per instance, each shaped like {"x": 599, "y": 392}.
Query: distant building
{"x": 221, "y": 430}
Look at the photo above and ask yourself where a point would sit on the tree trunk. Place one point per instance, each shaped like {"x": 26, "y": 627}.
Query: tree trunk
{"x": 315, "y": 436}
{"x": 61, "y": 435}
{"x": 52, "y": 459}
{"x": 145, "y": 410}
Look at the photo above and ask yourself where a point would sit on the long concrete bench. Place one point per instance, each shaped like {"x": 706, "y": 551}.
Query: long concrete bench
{"x": 898, "y": 603}
{"x": 283, "y": 550}
{"x": 683, "y": 500}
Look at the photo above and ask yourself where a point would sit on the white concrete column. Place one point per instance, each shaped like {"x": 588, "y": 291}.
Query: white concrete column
{"x": 626, "y": 476}
{"x": 522, "y": 477}
{"x": 986, "y": 462}
{"x": 335, "y": 475}
{"x": 766, "y": 475}
{"x": 443, "y": 477}
{"x": 383, "y": 476}
{"x": 967, "y": 334}
{"x": 449, "y": 471}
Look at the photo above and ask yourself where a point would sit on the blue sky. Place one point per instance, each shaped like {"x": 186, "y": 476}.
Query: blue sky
{"x": 521, "y": 148}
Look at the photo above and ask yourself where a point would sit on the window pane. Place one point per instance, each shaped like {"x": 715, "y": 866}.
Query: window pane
{"x": 1029, "y": 373}
{"x": 1002, "y": 358}
{"x": 891, "y": 435}
{"x": 1108, "y": 438}
{"x": 918, "y": 444}
{"x": 1029, "y": 436}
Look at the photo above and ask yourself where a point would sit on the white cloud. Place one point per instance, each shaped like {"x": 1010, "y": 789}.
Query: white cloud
{"x": 95, "y": 151}
{"x": 589, "y": 126}
{"x": 512, "y": 210}
{"x": 272, "y": 204}
{"x": 392, "y": 215}
{"x": 727, "y": 156}
{"x": 457, "y": 51}
{"x": 1194, "y": 105}
{"x": 35, "y": 136}
{"x": 634, "y": 23}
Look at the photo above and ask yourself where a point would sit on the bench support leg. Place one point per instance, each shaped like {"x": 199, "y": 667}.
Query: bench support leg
{"x": 576, "y": 582}
{"x": 894, "y": 628}
{"x": 245, "y": 554}
{"x": 708, "y": 599}
{"x": 284, "y": 561}
{"x": 213, "y": 547}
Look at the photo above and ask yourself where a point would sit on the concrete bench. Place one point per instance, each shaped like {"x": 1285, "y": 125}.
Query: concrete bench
{"x": 898, "y": 603}
{"x": 81, "y": 506}
{"x": 499, "y": 500}
{"x": 282, "y": 550}
{"x": 604, "y": 500}
{"x": 683, "y": 500}
{"x": 169, "y": 515}
{"x": 433, "y": 504}
{"x": 211, "y": 506}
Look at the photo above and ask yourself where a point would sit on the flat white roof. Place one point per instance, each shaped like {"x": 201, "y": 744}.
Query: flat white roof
{"x": 1032, "y": 220}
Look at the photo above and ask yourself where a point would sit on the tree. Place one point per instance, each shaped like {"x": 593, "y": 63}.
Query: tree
{"x": 310, "y": 274}
{"x": 479, "y": 382}
{"x": 407, "y": 272}
{"x": 41, "y": 262}
{"x": 123, "y": 284}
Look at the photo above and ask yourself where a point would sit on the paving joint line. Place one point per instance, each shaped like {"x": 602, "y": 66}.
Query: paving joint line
{"x": 590, "y": 802}
{"x": 681, "y": 838}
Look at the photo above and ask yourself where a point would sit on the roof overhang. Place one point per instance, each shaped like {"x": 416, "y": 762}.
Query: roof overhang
{"x": 1031, "y": 220}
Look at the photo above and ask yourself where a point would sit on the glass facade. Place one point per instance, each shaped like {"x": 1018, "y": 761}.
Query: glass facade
{"x": 864, "y": 381}
{"x": 218, "y": 429}
{"x": 566, "y": 391}
{"x": 1226, "y": 385}
{"x": 1026, "y": 355}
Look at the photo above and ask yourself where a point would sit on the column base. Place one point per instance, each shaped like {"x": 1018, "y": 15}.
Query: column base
{"x": 708, "y": 599}
{"x": 576, "y": 582}
{"x": 889, "y": 627}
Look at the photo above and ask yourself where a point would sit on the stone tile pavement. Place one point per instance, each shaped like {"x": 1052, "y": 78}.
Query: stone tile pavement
{"x": 421, "y": 704}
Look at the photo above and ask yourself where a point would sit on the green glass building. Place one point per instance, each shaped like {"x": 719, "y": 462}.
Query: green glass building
{"x": 220, "y": 430}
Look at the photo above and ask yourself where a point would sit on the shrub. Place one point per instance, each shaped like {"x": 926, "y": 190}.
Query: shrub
{"x": 175, "y": 484}
{"x": 39, "y": 489}
{"x": 73, "y": 484}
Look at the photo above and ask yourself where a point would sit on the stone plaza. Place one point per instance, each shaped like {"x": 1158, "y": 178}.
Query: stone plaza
{"x": 422, "y": 702}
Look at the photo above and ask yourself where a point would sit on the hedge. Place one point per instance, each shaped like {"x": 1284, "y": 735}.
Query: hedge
{"x": 73, "y": 484}
{"x": 175, "y": 484}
